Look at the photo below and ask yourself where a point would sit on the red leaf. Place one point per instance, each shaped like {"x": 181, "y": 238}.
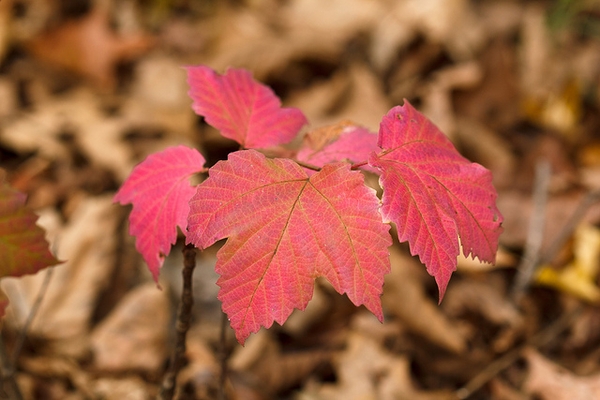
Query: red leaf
{"x": 23, "y": 247}
{"x": 285, "y": 229}
{"x": 159, "y": 190}
{"x": 434, "y": 195}
{"x": 241, "y": 108}
{"x": 344, "y": 141}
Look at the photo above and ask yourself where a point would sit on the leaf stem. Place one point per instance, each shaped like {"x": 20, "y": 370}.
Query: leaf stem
{"x": 307, "y": 165}
{"x": 184, "y": 316}
{"x": 358, "y": 165}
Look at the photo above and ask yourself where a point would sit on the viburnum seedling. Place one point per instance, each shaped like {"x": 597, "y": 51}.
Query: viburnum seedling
{"x": 289, "y": 220}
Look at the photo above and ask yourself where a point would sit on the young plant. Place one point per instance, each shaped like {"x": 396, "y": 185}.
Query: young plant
{"x": 293, "y": 218}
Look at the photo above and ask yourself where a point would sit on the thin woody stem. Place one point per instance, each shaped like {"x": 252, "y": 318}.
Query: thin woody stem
{"x": 184, "y": 316}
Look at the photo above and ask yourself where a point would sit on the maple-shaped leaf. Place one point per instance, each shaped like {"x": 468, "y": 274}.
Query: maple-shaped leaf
{"x": 434, "y": 195}
{"x": 23, "y": 247}
{"x": 241, "y": 108}
{"x": 159, "y": 190}
{"x": 285, "y": 229}
{"x": 343, "y": 141}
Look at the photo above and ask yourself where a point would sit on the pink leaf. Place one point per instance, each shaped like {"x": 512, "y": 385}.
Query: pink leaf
{"x": 159, "y": 190}
{"x": 434, "y": 195}
{"x": 241, "y": 108}
{"x": 285, "y": 229}
{"x": 344, "y": 141}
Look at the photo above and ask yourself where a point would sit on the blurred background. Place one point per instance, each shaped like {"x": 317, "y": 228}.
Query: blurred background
{"x": 89, "y": 88}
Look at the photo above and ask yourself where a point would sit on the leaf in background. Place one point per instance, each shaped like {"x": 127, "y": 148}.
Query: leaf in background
{"x": 89, "y": 47}
{"x": 241, "y": 108}
{"x": 580, "y": 276}
{"x": 434, "y": 195}
{"x": 343, "y": 141}
{"x": 23, "y": 247}
{"x": 159, "y": 190}
{"x": 285, "y": 229}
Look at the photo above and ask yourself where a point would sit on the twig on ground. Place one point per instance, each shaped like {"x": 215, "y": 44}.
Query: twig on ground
{"x": 184, "y": 316}
{"x": 535, "y": 235}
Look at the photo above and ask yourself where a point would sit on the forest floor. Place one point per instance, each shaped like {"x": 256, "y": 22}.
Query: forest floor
{"x": 88, "y": 89}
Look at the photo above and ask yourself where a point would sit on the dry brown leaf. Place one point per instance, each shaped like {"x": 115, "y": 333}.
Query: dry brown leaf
{"x": 549, "y": 381}
{"x": 485, "y": 297}
{"x": 365, "y": 371}
{"x": 159, "y": 99}
{"x": 516, "y": 208}
{"x": 404, "y": 297}
{"x": 266, "y": 367}
{"x": 489, "y": 149}
{"x": 79, "y": 113}
{"x": 436, "y": 94}
{"x": 89, "y": 47}
{"x": 202, "y": 369}
{"x": 6, "y": 8}
{"x": 134, "y": 335}
{"x": 130, "y": 388}
{"x": 8, "y": 98}
{"x": 355, "y": 94}
{"x": 267, "y": 39}
{"x": 450, "y": 23}
{"x": 60, "y": 367}
{"x": 501, "y": 390}
{"x": 580, "y": 276}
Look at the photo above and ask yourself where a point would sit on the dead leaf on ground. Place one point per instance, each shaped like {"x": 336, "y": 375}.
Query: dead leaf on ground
{"x": 580, "y": 276}
{"x": 549, "y": 381}
{"x": 89, "y": 47}
{"x": 404, "y": 297}
{"x": 65, "y": 314}
{"x": 134, "y": 335}
{"x": 365, "y": 370}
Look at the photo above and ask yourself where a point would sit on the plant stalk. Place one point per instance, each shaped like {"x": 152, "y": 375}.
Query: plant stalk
{"x": 184, "y": 317}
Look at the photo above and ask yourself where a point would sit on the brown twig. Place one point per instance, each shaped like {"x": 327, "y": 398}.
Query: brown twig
{"x": 184, "y": 316}
{"x": 223, "y": 356}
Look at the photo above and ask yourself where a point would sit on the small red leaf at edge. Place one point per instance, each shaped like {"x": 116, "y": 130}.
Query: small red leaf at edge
{"x": 434, "y": 195}
{"x": 159, "y": 190}
{"x": 241, "y": 108}
{"x": 285, "y": 229}
{"x": 345, "y": 141}
{"x": 23, "y": 247}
